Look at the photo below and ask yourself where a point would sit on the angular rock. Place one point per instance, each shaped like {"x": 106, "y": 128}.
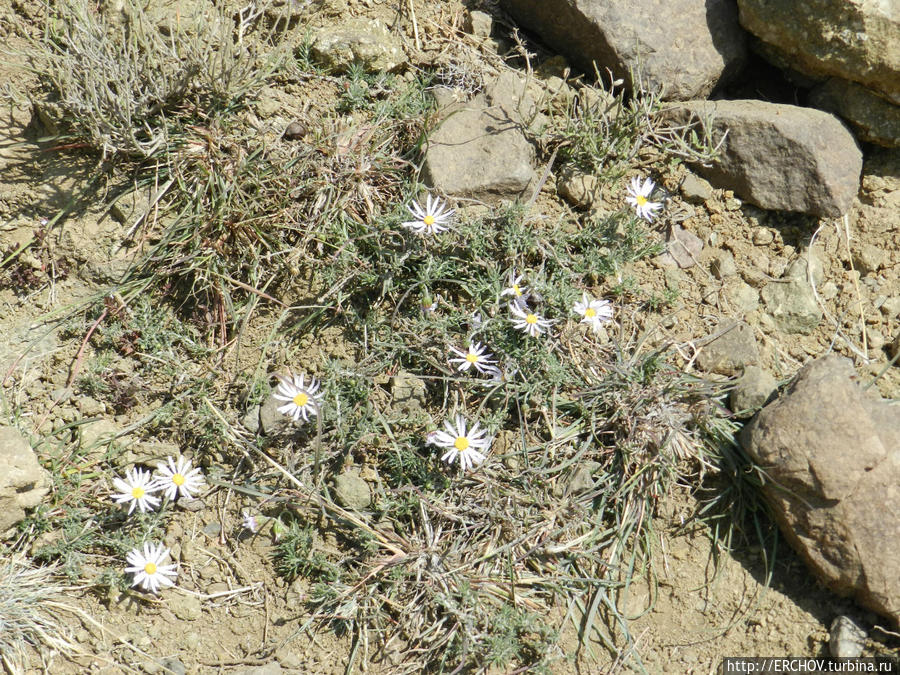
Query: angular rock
{"x": 806, "y": 268}
{"x": 858, "y": 41}
{"x": 731, "y": 351}
{"x": 780, "y": 157}
{"x": 752, "y": 391}
{"x": 479, "y": 24}
{"x": 742, "y": 295}
{"x": 408, "y": 392}
{"x": 185, "y": 607}
{"x": 869, "y": 258}
{"x": 832, "y": 454}
{"x": 846, "y": 638}
{"x": 683, "y": 248}
{"x": 516, "y": 99}
{"x": 358, "y": 41}
{"x": 721, "y": 264}
{"x": 580, "y": 189}
{"x": 479, "y": 151}
{"x": 792, "y": 305}
{"x": 272, "y": 422}
{"x": 352, "y": 492}
{"x": 873, "y": 118}
{"x": 683, "y": 48}
{"x": 695, "y": 189}
{"x": 23, "y": 483}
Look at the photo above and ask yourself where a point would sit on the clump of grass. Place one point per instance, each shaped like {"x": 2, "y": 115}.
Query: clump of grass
{"x": 29, "y": 609}
{"x": 123, "y": 80}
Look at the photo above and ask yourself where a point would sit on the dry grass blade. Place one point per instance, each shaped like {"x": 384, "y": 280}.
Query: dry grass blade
{"x": 28, "y": 604}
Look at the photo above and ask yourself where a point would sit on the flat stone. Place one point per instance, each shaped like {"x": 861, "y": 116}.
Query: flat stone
{"x": 890, "y": 308}
{"x": 273, "y": 668}
{"x": 479, "y": 24}
{"x": 752, "y": 391}
{"x": 89, "y": 406}
{"x": 250, "y": 419}
{"x": 806, "y": 268}
{"x": 869, "y": 258}
{"x": 23, "y": 483}
{"x": 683, "y": 248}
{"x": 98, "y": 434}
{"x": 742, "y": 295}
{"x": 695, "y": 189}
{"x": 479, "y": 151}
{"x": 777, "y": 156}
{"x": 832, "y": 454}
{"x": 358, "y": 41}
{"x": 730, "y": 352}
{"x": 722, "y": 264}
{"x": 792, "y": 306}
{"x": 172, "y": 666}
{"x": 272, "y": 422}
{"x": 185, "y": 607}
{"x": 352, "y": 492}
{"x": 580, "y": 189}
{"x": 682, "y": 48}
{"x": 408, "y": 393}
{"x": 515, "y": 96}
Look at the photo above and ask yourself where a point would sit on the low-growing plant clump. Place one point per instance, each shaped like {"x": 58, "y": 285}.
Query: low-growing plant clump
{"x": 518, "y": 429}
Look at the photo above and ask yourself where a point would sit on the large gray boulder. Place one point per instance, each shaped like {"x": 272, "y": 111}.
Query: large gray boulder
{"x": 684, "y": 48}
{"x": 832, "y": 456}
{"x": 780, "y": 157}
{"x": 23, "y": 483}
{"x": 856, "y": 40}
{"x": 873, "y": 118}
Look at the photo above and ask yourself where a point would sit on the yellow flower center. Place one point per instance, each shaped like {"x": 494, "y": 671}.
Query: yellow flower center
{"x": 301, "y": 399}
{"x": 517, "y": 290}
{"x": 590, "y": 313}
{"x": 150, "y": 568}
{"x": 178, "y": 479}
{"x": 461, "y": 444}
{"x": 472, "y": 358}
{"x": 137, "y": 492}
{"x": 531, "y": 318}
{"x": 641, "y": 200}
{"x": 428, "y": 220}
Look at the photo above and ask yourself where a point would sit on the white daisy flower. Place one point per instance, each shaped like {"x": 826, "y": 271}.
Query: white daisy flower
{"x": 469, "y": 447}
{"x": 593, "y": 312}
{"x": 640, "y": 198}
{"x": 249, "y": 521}
{"x": 179, "y": 479}
{"x": 477, "y": 356}
{"x": 148, "y": 569}
{"x": 528, "y": 321}
{"x": 137, "y": 488}
{"x": 301, "y": 400}
{"x": 516, "y": 289}
{"x": 431, "y": 219}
